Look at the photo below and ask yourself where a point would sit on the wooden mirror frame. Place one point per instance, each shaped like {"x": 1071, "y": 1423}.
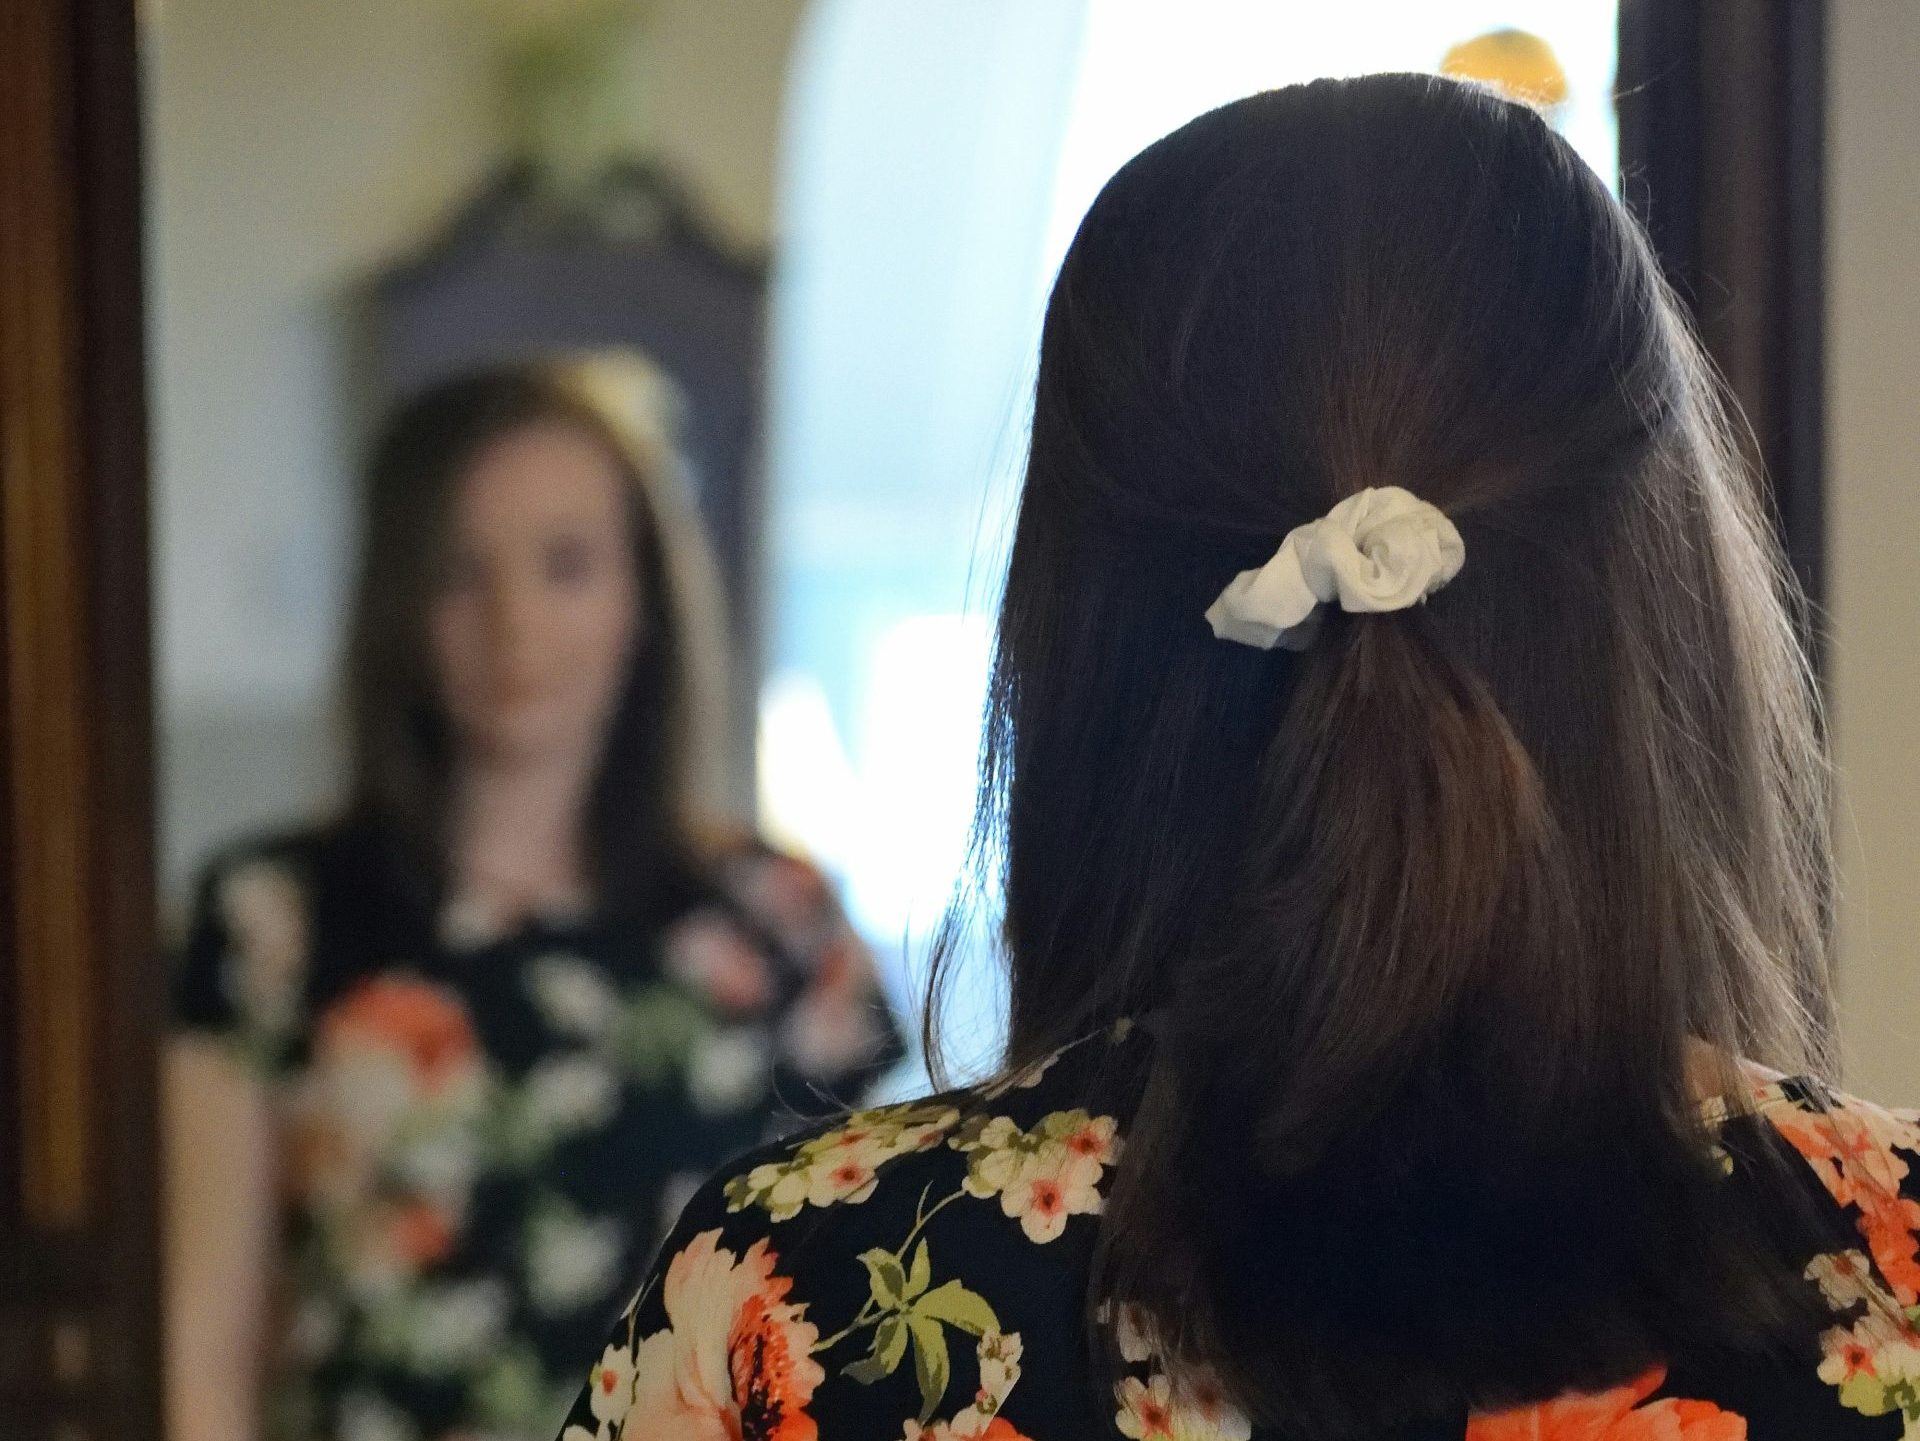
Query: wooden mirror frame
{"x": 81, "y": 998}
{"x": 1721, "y": 143}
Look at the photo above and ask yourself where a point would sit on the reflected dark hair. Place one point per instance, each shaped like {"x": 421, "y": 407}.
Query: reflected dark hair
{"x": 1427, "y": 917}
{"x": 646, "y": 798}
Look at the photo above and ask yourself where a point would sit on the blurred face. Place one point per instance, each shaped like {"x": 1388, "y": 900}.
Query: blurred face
{"x": 537, "y": 616}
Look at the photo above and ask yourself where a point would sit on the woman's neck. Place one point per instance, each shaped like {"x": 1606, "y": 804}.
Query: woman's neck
{"x": 517, "y": 835}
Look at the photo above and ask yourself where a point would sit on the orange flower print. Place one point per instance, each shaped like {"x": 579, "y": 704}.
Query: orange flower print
{"x": 1874, "y": 1364}
{"x": 784, "y": 894}
{"x": 1615, "y": 1415}
{"x": 1854, "y": 1359}
{"x": 710, "y": 955}
{"x": 735, "y": 1361}
{"x": 420, "y": 1234}
{"x": 1157, "y": 1410}
{"x": 1852, "y": 1149}
{"x": 423, "y": 1023}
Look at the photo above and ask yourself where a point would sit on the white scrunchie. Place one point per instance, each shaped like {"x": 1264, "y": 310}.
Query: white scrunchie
{"x": 1382, "y": 549}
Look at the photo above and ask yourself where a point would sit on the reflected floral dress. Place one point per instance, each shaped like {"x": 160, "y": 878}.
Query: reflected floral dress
{"x": 917, "y": 1272}
{"x": 487, "y": 1130}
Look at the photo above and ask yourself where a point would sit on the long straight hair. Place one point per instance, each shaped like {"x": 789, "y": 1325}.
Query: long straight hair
{"x": 1428, "y": 917}
{"x": 653, "y": 786}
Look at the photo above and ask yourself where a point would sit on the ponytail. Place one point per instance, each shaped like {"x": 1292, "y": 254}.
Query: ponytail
{"x": 1386, "y": 1164}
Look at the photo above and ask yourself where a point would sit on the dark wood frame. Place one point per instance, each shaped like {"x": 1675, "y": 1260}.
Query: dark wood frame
{"x": 1722, "y": 139}
{"x": 80, "y": 992}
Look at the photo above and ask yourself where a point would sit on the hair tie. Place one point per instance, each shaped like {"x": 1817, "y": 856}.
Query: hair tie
{"x": 1382, "y": 549}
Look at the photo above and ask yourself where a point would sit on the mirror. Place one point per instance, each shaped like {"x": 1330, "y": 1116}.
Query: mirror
{"x": 443, "y": 1078}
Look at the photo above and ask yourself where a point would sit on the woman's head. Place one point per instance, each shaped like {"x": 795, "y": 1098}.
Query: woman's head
{"x": 536, "y": 615}
{"x": 530, "y": 593}
{"x": 1428, "y": 912}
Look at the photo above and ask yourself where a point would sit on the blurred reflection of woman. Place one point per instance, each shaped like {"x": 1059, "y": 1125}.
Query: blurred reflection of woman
{"x": 433, "y": 1052}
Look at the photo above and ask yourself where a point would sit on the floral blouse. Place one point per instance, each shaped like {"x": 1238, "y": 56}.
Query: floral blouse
{"x": 917, "y": 1273}
{"x": 488, "y": 1131}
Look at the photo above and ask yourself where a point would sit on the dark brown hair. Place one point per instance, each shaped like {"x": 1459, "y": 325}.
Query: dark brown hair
{"x": 648, "y": 793}
{"x": 1427, "y": 917}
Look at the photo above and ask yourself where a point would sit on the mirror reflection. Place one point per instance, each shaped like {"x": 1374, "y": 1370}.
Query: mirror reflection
{"x": 585, "y": 440}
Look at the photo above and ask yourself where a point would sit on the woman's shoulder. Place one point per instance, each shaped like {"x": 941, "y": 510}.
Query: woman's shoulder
{"x": 1834, "y": 1131}
{"x": 913, "y": 1258}
{"x": 1861, "y": 1159}
{"x": 303, "y": 858}
{"x": 290, "y": 850}
{"x": 1037, "y": 1140}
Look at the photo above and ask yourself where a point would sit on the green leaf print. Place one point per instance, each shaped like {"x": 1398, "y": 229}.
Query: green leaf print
{"x": 921, "y": 1274}
{"x": 931, "y": 1365}
{"x": 656, "y": 1032}
{"x": 512, "y": 1393}
{"x": 889, "y": 1348}
{"x": 954, "y": 1304}
{"x": 886, "y": 1279}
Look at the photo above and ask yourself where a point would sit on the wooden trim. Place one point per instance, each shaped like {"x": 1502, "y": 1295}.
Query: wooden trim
{"x": 80, "y": 989}
{"x": 1721, "y": 142}
{"x": 43, "y": 624}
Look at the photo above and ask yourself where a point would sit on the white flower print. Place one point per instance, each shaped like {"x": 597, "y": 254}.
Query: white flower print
{"x": 572, "y": 1260}
{"x": 1846, "y": 1279}
{"x": 610, "y": 1389}
{"x": 450, "y": 1328}
{"x": 443, "y": 1162}
{"x": 573, "y": 996}
{"x": 1875, "y": 1365}
{"x": 1146, "y": 1408}
{"x": 779, "y": 1186}
{"x": 1047, "y": 1189}
{"x": 1156, "y": 1410}
{"x": 997, "y": 1152}
{"x": 729, "y": 1070}
{"x": 365, "y": 1417}
{"x": 1043, "y": 1176}
{"x": 840, "y": 1165}
{"x": 846, "y": 1176}
{"x": 1132, "y": 1331}
{"x": 313, "y": 1330}
{"x": 999, "y": 1356}
{"x": 568, "y": 1095}
{"x": 265, "y": 911}
{"x": 385, "y": 1130}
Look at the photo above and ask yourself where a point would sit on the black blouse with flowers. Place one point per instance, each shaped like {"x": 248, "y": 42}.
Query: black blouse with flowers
{"x": 918, "y": 1273}
{"x": 487, "y": 1131}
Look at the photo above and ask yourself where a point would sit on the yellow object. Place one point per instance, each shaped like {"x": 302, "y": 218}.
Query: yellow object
{"x": 1515, "y": 62}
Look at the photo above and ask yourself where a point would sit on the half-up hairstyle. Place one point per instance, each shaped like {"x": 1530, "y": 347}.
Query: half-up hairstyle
{"x": 1428, "y": 918}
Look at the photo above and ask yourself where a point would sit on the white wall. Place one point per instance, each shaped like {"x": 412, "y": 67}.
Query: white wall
{"x": 1873, "y": 477}
{"x": 294, "y": 147}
